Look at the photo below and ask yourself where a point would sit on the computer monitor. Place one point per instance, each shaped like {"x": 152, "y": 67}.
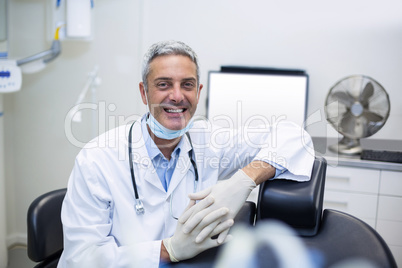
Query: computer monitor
{"x": 245, "y": 96}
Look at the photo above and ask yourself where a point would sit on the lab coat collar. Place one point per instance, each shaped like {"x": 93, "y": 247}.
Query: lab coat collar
{"x": 140, "y": 154}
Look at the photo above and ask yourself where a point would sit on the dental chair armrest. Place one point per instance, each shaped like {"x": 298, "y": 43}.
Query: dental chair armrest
{"x": 298, "y": 204}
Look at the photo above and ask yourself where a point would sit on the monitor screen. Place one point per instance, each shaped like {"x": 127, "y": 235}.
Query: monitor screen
{"x": 238, "y": 99}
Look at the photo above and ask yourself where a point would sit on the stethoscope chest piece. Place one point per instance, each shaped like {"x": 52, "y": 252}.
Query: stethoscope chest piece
{"x": 139, "y": 207}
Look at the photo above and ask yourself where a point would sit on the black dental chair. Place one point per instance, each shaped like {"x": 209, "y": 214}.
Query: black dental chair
{"x": 45, "y": 232}
{"x": 337, "y": 236}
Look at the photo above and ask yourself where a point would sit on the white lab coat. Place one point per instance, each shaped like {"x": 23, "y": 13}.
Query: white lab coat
{"x": 100, "y": 224}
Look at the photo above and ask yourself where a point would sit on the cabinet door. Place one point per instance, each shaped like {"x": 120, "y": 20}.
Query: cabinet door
{"x": 389, "y": 218}
{"x": 353, "y": 179}
{"x": 362, "y": 206}
{"x": 390, "y": 208}
{"x": 391, "y": 183}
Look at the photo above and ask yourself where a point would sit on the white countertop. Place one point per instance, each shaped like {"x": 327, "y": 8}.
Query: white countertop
{"x": 333, "y": 159}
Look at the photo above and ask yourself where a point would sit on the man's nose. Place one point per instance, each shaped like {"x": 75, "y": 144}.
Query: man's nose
{"x": 176, "y": 93}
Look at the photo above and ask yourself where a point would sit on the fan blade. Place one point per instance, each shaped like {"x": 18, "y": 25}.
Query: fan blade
{"x": 347, "y": 123}
{"x": 374, "y": 122}
{"x": 372, "y": 117}
{"x": 352, "y": 126}
{"x": 344, "y": 98}
{"x": 366, "y": 94}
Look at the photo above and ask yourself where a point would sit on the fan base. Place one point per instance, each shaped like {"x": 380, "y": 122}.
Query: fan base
{"x": 347, "y": 146}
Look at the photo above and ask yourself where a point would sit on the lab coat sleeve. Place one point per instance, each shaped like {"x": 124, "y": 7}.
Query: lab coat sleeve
{"x": 86, "y": 216}
{"x": 284, "y": 143}
{"x": 291, "y": 147}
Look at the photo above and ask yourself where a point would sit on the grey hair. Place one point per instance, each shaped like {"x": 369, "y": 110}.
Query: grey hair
{"x": 167, "y": 48}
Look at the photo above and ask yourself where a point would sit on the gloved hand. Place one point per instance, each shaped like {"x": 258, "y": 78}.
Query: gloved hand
{"x": 182, "y": 246}
{"x": 231, "y": 193}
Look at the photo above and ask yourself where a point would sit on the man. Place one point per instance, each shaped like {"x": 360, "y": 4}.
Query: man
{"x": 102, "y": 221}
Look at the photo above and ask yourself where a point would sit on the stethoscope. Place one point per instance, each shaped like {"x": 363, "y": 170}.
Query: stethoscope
{"x": 139, "y": 207}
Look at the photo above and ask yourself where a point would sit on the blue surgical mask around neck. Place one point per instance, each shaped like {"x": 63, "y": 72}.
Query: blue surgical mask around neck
{"x": 163, "y": 132}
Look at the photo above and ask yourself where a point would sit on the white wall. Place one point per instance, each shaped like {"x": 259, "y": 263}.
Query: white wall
{"x": 3, "y": 229}
{"x": 328, "y": 39}
{"x": 39, "y": 157}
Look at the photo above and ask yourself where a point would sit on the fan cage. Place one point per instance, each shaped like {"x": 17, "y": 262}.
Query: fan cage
{"x": 339, "y": 111}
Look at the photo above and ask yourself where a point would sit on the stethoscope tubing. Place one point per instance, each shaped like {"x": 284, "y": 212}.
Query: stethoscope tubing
{"x": 130, "y": 157}
{"x": 139, "y": 207}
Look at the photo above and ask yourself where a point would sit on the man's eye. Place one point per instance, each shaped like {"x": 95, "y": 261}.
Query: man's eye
{"x": 163, "y": 85}
{"x": 189, "y": 85}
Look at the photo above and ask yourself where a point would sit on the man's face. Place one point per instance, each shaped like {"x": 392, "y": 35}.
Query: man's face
{"x": 172, "y": 90}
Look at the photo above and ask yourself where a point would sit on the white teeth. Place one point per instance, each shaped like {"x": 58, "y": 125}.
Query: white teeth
{"x": 175, "y": 110}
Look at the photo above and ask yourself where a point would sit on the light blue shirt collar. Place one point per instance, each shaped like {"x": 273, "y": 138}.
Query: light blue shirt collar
{"x": 152, "y": 149}
{"x": 163, "y": 167}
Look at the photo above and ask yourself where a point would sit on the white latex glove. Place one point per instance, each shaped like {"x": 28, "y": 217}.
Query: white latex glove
{"x": 231, "y": 193}
{"x": 182, "y": 246}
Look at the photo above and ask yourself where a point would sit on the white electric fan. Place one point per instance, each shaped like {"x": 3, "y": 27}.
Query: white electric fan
{"x": 357, "y": 106}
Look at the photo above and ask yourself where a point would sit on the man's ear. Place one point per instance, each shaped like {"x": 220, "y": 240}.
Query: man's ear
{"x": 199, "y": 92}
{"x": 143, "y": 93}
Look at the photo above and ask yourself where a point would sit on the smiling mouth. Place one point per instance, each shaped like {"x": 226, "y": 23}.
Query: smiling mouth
{"x": 174, "y": 111}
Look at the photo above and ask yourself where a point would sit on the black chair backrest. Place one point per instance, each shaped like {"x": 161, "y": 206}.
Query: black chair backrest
{"x": 45, "y": 231}
{"x": 298, "y": 204}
